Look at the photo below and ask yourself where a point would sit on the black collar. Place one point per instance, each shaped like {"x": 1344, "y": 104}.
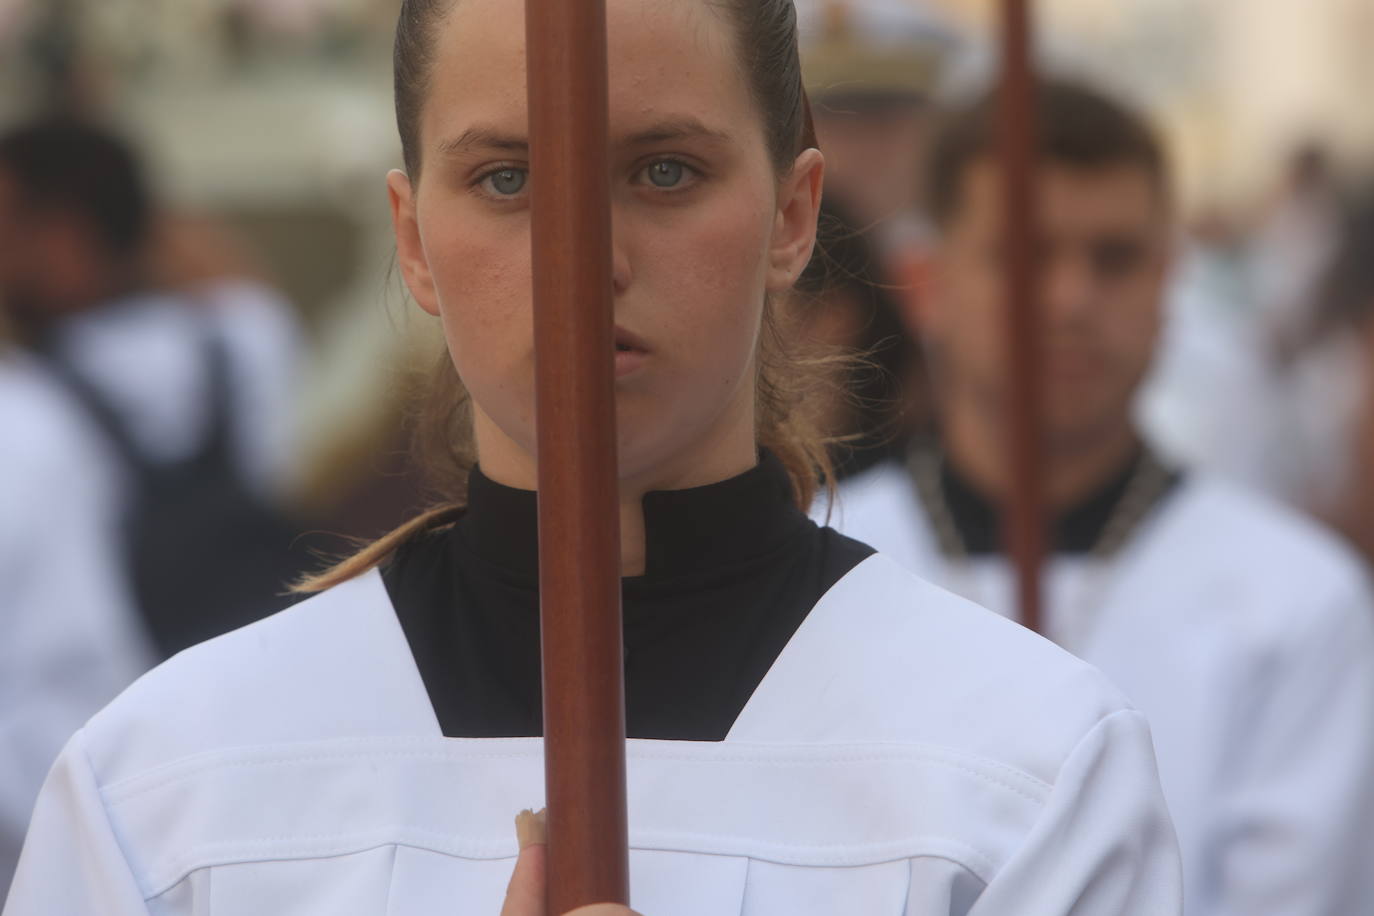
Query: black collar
{"x": 687, "y": 532}
{"x": 1078, "y": 530}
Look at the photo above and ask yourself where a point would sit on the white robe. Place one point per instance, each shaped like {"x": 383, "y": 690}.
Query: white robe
{"x": 905, "y": 754}
{"x": 1246, "y": 636}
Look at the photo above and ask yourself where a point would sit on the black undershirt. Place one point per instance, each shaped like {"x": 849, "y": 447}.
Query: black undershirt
{"x": 1077, "y": 530}
{"x": 731, "y": 571}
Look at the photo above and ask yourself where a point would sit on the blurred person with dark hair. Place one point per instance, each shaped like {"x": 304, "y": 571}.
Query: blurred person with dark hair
{"x": 181, "y": 360}
{"x": 1244, "y": 632}
{"x": 876, "y": 71}
{"x": 849, "y": 304}
{"x": 94, "y": 273}
{"x": 143, "y": 403}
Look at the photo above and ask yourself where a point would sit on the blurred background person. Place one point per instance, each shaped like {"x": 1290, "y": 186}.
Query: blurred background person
{"x": 876, "y": 72}
{"x": 876, "y": 393}
{"x": 1332, "y": 361}
{"x": 1241, "y": 308}
{"x": 1244, "y": 632}
{"x": 144, "y": 403}
{"x": 1294, "y": 241}
{"x": 111, "y": 301}
{"x": 184, "y": 365}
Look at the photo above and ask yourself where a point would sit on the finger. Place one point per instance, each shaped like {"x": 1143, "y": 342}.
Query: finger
{"x": 602, "y": 909}
{"x": 532, "y": 827}
{"x": 525, "y": 893}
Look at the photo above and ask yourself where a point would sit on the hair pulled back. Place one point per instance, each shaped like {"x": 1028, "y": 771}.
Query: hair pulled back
{"x": 765, "y": 40}
{"x": 766, "y": 44}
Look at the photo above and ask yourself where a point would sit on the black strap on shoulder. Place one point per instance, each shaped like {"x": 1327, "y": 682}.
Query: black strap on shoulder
{"x": 94, "y": 403}
{"x": 216, "y": 445}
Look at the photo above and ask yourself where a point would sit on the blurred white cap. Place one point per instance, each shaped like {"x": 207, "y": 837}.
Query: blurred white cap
{"x": 880, "y": 48}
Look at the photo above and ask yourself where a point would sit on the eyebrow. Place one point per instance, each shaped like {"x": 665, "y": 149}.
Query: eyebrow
{"x": 684, "y": 128}
{"x": 485, "y": 137}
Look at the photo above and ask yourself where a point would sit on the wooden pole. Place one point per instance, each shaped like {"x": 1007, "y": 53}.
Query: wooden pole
{"x": 579, "y": 529}
{"x": 1025, "y": 529}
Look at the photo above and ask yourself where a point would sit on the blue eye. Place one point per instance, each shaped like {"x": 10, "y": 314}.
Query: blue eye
{"x": 666, "y": 173}
{"x": 506, "y": 182}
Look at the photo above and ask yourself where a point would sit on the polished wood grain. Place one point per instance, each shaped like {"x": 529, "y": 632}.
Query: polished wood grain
{"x": 579, "y": 531}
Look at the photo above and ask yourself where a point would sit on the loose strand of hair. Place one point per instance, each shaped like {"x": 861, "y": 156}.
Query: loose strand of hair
{"x": 381, "y": 550}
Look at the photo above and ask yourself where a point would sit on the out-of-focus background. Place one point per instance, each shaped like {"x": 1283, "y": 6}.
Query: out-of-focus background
{"x": 1263, "y": 109}
{"x": 272, "y": 118}
{"x": 269, "y": 123}
{"x": 265, "y": 129}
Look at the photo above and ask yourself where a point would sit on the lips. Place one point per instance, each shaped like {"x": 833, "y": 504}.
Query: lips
{"x": 625, "y": 342}
{"x": 631, "y": 352}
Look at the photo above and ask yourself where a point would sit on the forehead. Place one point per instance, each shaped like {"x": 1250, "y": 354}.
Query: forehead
{"x": 1120, "y": 196}
{"x": 666, "y": 58}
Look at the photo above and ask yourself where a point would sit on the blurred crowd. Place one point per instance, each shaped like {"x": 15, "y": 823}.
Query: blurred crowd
{"x": 203, "y": 388}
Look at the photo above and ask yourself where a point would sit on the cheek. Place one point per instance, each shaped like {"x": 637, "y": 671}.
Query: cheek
{"x": 1135, "y": 333}
{"x": 972, "y": 324}
{"x": 704, "y": 279}
{"x": 481, "y": 273}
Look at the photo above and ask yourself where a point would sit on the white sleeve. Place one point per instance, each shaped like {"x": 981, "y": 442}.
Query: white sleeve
{"x": 1294, "y": 830}
{"x": 1104, "y": 843}
{"x": 72, "y": 864}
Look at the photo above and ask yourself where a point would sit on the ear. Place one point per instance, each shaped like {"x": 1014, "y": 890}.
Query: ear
{"x": 410, "y": 249}
{"x": 794, "y": 224}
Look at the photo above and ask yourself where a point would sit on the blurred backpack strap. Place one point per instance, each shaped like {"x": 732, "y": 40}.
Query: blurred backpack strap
{"x": 96, "y": 405}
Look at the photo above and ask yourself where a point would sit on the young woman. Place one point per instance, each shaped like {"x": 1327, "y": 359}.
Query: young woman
{"x": 813, "y": 731}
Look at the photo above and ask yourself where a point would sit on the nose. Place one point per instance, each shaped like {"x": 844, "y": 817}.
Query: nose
{"x": 1069, "y": 290}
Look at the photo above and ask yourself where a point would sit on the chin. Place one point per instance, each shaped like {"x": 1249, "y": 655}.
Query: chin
{"x": 663, "y": 451}
{"x": 1081, "y": 427}
{"x": 643, "y": 456}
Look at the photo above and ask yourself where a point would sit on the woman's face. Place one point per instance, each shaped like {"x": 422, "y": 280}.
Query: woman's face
{"x": 703, "y": 227}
